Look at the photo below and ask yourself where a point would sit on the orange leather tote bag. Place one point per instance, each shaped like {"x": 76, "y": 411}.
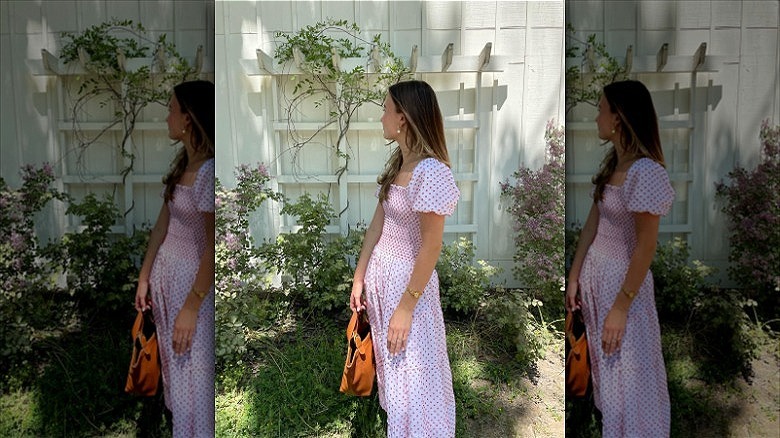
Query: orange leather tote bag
{"x": 577, "y": 362}
{"x": 144, "y": 375}
{"x": 359, "y": 369}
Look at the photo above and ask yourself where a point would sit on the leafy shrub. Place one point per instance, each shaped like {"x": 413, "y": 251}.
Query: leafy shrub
{"x": 715, "y": 317}
{"x": 508, "y": 312}
{"x": 752, "y": 204}
{"x": 585, "y": 82}
{"x": 679, "y": 287}
{"x": 536, "y": 204}
{"x": 463, "y": 286}
{"x": 314, "y": 267}
{"x": 101, "y": 268}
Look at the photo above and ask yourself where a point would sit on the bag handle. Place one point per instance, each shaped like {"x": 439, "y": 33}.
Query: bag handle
{"x": 569, "y": 328}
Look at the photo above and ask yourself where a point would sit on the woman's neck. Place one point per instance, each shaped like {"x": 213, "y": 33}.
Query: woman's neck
{"x": 408, "y": 157}
{"x": 192, "y": 154}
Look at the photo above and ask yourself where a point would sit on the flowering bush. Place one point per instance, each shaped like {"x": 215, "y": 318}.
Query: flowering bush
{"x": 536, "y": 203}
{"x": 313, "y": 267}
{"x": 27, "y": 279}
{"x": 98, "y": 269}
{"x": 241, "y": 275}
{"x": 752, "y": 203}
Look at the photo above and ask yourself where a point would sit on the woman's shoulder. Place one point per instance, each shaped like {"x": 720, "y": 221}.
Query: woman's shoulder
{"x": 429, "y": 168}
{"x": 645, "y": 165}
{"x": 207, "y": 167}
{"x": 430, "y": 164}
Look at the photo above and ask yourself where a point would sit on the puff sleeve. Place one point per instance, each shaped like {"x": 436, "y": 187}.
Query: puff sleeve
{"x": 432, "y": 188}
{"x": 204, "y": 187}
{"x": 647, "y": 188}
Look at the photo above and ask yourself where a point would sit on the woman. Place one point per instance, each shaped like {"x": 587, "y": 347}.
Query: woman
{"x": 178, "y": 267}
{"x": 610, "y": 278}
{"x": 396, "y": 272}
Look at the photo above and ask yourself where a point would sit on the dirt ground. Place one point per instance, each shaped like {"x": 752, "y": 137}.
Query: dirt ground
{"x": 539, "y": 412}
{"x": 536, "y": 409}
{"x": 545, "y": 415}
{"x": 757, "y": 405}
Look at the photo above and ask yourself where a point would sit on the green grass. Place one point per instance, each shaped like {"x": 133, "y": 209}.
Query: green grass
{"x": 75, "y": 387}
{"x": 18, "y": 414}
{"x": 290, "y": 388}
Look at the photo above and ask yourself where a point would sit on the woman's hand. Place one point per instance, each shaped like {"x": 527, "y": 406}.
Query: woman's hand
{"x": 356, "y": 300}
{"x": 398, "y": 331}
{"x": 572, "y": 300}
{"x": 184, "y": 325}
{"x": 614, "y": 329}
{"x": 142, "y": 299}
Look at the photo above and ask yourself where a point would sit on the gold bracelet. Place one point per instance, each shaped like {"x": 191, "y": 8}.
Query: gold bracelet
{"x": 200, "y": 293}
{"x": 415, "y": 293}
{"x": 629, "y": 293}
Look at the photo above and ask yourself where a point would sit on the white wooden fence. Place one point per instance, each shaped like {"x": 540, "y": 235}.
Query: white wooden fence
{"x": 710, "y": 112}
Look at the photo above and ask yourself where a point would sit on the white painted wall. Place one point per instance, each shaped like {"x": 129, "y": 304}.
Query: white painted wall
{"x": 29, "y": 113}
{"x": 743, "y": 38}
{"x": 528, "y": 34}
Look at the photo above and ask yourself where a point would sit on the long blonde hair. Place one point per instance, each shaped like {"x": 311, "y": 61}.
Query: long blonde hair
{"x": 196, "y": 98}
{"x": 425, "y": 133}
{"x": 631, "y": 101}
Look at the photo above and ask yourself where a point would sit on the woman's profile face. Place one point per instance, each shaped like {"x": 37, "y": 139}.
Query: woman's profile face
{"x": 391, "y": 119}
{"x": 177, "y": 120}
{"x": 606, "y": 120}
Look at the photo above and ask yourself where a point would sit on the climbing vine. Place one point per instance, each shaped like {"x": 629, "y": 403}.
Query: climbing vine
{"x": 120, "y": 92}
{"x": 596, "y": 69}
{"x": 318, "y": 50}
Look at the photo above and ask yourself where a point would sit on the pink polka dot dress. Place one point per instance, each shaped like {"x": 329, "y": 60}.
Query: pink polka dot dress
{"x": 415, "y": 387}
{"x": 188, "y": 379}
{"x": 629, "y": 386}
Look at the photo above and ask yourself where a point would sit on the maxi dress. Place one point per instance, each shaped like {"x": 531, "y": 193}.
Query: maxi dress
{"x": 630, "y": 385}
{"x": 188, "y": 379}
{"x": 415, "y": 387}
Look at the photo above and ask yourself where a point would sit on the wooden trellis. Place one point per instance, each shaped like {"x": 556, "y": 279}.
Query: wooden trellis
{"x": 52, "y": 67}
{"x": 644, "y": 68}
{"x": 447, "y": 63}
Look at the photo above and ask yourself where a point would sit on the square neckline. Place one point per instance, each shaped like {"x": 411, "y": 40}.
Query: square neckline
{"x": 627, "y": 172}
{"x": 197, "y": 174}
